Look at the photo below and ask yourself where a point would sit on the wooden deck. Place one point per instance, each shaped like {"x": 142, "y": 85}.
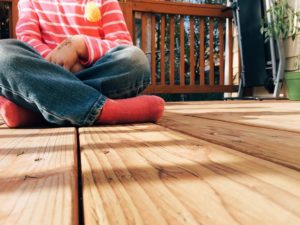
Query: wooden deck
{"x": 203, "y": 163}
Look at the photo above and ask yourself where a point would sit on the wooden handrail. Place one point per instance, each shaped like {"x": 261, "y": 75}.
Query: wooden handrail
{"x": 181, "y": 8}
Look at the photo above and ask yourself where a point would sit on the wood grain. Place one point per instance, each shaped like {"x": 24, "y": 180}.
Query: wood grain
{"x": 277, "y": 146}
{"x": 38, "y": 176}
{"x": 180, "y": 8}
{"x": 281, "y": 115}
{"x": 147, "y": 174}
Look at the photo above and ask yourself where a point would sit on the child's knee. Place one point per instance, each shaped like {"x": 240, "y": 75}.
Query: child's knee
{"x": 138, "y": 61}
{"x": 8, "y": 53}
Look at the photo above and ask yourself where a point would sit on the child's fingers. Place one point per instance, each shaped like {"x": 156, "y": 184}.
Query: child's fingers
{"x": 67, "y": 66}
{"x": 76, "y": 67}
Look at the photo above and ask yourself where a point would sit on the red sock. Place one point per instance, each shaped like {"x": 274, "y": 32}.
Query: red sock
{"x": 16, "y": 116}
{"x": 139, "y": 109}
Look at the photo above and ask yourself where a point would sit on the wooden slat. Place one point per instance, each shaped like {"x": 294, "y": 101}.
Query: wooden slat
{"x": 239, "y": 61}
{"x": 133, "y": 31}
{"x": 179, "y": 8}
{"x": 128, "y": 16}
{"x": 164, "y": 89}
{"x": 38, "y": 176}
{"x": 144, "y": 31}
{"x": 211, "y": 52}
{"x": 182, "y": 70}
{"x": 192, "y": 52}
{"x": 202, "y": 51}
{"x": 279, "y": 115}
{"x": 146, "y": 174}
{"x": 221, "y": 55}
{"x": 162, "y": 50}
{"x": 153, "y": 50}
{"x": 14, "y": 17}
{"x": 172, "y": 53}
{"x": 277, "y": 146}
{"x": 230, "y": 49}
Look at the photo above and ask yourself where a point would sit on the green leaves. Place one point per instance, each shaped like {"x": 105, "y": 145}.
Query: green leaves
{"x": 285, "y": 21}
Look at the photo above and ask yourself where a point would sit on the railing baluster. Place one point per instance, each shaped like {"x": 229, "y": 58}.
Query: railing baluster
{"x": 162, "y": 50}
{"x": 172, "y": 58}
{"x": 128, "y": 16}
{"x": 182, "y": 70}
{"x": 202, "y": 51}
{"x": 133, "y": 25}
{"x": 144, "y": 32}
{"x": 192, "y": 52}
{"x": 230, "y": 49}
{"x": 239, "y": 62}
{"x": 153, "y": 51}
{"x": 221, "y": 55}
{"x": 211, "y": 52}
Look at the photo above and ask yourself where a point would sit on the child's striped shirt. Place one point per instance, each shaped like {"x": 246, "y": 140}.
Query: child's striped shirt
{"x": 46, "y": 23}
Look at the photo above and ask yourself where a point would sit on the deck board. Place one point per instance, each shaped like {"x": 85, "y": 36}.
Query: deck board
{"x": 281, "y": 115}
{"x": 148, "y": 174}
{"x": 38, "y": 176}
{"x": 275, "y": 145}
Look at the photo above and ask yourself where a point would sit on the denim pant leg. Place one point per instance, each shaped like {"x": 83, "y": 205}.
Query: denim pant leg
{"x": 122, "y": 73}
{"x": 30, "y": 81}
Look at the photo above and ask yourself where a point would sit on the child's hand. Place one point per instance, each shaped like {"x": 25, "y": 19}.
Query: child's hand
{"x": 64, "y": 54}
{"x": 77, "y": 67}
{"x": 67, "y": 54}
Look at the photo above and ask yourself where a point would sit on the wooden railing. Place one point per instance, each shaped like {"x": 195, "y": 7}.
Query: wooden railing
{"x": 176, "y": 67}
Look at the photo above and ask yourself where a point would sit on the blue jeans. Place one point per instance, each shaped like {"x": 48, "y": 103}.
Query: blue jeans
{"x": 64, "y": 98}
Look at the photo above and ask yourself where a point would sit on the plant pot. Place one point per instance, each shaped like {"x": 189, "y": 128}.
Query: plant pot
{"x": 293, "y": 85}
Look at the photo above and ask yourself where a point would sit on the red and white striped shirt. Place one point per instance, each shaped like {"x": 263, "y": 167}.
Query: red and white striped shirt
{"x": 45, "y": 23}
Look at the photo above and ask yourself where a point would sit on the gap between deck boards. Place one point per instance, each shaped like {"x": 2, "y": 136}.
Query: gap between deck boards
{"x": 79, "y": 184}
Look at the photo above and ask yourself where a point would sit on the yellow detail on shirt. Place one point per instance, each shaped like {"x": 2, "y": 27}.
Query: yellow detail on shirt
{"x": 92, "y": 12}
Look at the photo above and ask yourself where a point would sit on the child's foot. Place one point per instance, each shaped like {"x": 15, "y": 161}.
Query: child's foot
{"x": 16, "y": 116}
{"x": 139, "y": 109}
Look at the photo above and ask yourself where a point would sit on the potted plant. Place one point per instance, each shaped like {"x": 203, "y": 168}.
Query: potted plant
{"x": 280, "y": 23}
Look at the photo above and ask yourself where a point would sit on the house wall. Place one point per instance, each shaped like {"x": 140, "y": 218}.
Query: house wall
{"x": 293, "y": 47}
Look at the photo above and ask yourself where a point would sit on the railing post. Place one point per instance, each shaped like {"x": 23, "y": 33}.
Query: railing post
{"x": 126, "y": 6}
{"x": 14, "y": 6}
